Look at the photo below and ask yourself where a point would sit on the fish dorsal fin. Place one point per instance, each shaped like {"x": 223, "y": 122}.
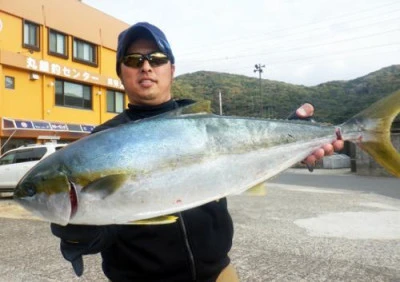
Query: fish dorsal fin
{"x": 200, "y": 107}
{"x": 164, "y": 219}
{"x": 105, "y": 186}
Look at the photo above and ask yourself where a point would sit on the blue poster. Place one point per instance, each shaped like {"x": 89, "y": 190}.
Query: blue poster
{"x": 41, "y": 125}
{"x": 59, "y": 126}
{"x": 23, "y": 124}
{"x": 87, "y": 128}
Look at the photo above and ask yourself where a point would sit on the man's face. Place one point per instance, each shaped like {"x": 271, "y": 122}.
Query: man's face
{"x": 147, "y": 85}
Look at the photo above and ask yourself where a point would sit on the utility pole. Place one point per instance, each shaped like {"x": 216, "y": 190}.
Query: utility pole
{"x": 259, "y": 69}
{"x": 220, "y": 103}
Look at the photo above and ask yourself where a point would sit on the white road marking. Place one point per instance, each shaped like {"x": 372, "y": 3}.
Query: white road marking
{"x": 380, "y": 206}
{"x": 381, "y": 225}
{"x": 308, "y": 189}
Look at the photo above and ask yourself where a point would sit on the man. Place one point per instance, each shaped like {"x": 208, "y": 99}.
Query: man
{"x": 196, "y": 247}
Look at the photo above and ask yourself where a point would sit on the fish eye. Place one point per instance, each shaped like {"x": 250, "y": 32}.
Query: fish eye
{"x": 30, "y": 189}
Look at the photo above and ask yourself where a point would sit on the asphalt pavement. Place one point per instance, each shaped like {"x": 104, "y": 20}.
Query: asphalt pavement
{"x": 321, "y": 226}
{"x": 341, "y": 179}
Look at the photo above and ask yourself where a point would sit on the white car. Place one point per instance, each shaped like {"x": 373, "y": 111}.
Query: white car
{"x": 16, "y": 162}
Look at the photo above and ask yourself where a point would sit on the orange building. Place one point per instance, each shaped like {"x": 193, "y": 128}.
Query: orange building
{"x": 57, "y": 70}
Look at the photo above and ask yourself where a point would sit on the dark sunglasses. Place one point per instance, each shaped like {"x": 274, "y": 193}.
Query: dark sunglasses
{"x": 136, "y": 60}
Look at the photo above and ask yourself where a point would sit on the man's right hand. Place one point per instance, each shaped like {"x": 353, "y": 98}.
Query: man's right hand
{"x": 79, "y": 240}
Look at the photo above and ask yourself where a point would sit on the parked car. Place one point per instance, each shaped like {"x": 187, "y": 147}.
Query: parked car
{"x": 16, "y": 162}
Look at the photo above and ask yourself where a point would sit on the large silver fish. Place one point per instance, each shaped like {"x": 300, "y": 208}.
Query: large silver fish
{"x": 159, "y": 166}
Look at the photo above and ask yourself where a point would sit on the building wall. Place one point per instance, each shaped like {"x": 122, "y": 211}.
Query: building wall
{"x": 35, "y": 71}
{"x": 24, "y": 100}
{"x": 70, "y": 16}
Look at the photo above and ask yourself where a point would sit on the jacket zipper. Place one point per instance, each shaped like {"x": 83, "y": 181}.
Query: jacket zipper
{"x": 188, "y": 248}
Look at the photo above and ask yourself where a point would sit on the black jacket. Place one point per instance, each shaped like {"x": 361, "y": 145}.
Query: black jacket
{"x": 195, "y": 248}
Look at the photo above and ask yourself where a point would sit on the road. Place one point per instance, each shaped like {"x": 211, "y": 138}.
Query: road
{"x": 341, "y": 179}
{"x": 327, "y": 227}
{"x": 324, "y": 226}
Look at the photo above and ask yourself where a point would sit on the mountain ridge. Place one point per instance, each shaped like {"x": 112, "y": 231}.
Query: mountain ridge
{"x": 334, "y": 101}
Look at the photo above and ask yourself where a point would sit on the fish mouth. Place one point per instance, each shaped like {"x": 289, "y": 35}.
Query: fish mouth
{"x": 73, "y": 199}
{"x": 54, "y": 207}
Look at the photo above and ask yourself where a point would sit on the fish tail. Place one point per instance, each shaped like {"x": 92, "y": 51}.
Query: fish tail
{"x": 370, "y": 129}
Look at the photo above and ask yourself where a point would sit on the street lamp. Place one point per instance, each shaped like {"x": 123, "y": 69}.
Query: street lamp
{"x": 259, "y": 69}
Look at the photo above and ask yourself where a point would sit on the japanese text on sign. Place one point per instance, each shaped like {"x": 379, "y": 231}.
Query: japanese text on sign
{"x": 59, "y": 70}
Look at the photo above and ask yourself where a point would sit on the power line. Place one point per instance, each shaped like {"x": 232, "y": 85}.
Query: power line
{"x": 308, "y": 58}
{"x": 244, "y": 65}
{"x": 343, "y": 51}
{"x": 245, "y": 39}
{"x": 279, "y": 46}
{"x": 294, "y": 49}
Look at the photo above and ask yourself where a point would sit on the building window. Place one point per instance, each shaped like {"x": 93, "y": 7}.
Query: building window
{"x": 115, "y": 102}
{"x": 73, "y": 95}
{"x": 31, "y": 35}
{"x": 10, "y": 82}
{"x": 84, "y": 52}
{"x": 58, "y": 44}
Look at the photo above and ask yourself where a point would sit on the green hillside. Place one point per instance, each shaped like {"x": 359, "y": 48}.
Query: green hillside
{"x": 335, "y": 101}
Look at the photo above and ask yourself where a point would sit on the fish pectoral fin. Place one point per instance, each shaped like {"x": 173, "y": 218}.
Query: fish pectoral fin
{"x": 105, "y": 186}
{"x": 164, "y": 219}
{"x": 257, "y": 190}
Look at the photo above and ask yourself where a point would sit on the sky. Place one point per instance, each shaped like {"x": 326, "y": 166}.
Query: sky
{"x": 304, "y": 42}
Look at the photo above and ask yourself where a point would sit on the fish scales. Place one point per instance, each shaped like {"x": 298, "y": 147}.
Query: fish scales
{"x": 207, "y": 163}
{"x": 167, "y": 164}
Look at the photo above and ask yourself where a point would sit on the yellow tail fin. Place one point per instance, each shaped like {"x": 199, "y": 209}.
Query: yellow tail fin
{"x": 370, "y": 129}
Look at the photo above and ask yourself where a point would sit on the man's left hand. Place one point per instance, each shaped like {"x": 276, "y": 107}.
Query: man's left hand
{"x": 306, "y": 111}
